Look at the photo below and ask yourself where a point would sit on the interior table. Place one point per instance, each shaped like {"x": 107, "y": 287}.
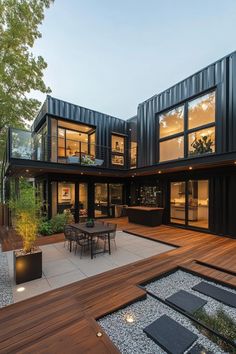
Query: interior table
{"x": 96, "y": 230}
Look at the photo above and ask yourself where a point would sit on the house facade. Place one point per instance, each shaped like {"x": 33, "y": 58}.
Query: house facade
{"x": 178, "y": 152}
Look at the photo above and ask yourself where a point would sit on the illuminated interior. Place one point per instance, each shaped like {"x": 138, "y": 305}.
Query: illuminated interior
{"x": 172, "y": 122}
{"x": 197, "y": 203}
{"x": 172, "y": 149}
{"x": 200, "y": 118}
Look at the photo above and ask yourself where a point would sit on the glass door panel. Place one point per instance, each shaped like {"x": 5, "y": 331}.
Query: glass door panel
{"x": 66, "y": 197}
{"x": 177, "y": 202}
{"x": 101, "y": 200}
{"x": 198, "y": 203}
{"x": 83, "y": 201}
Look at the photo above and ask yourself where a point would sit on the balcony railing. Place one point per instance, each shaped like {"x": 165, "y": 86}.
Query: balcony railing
{"x": 24, "y": 145}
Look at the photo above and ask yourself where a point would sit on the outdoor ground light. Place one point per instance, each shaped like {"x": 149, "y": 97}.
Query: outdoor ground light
{"x": 20, "y": 289}
{"x": 129, "y": 318}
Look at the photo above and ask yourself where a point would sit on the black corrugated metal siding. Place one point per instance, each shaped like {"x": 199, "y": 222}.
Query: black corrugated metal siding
{"x": 221, "y": 75}
{"x": 105, "y": 124}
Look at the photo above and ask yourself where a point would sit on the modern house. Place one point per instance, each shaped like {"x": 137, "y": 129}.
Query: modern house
{"x": 178, "y": 152}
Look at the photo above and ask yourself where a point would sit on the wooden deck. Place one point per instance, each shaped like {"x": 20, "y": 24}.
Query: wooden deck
{"x": 63, "y": 320}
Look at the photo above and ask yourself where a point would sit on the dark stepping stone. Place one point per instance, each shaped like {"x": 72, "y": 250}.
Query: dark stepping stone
{"x": 186, "y": 301}
{"x": 170, "y": 335}
{"x": 199, "y": 349}
{"x": 224, "y": 296}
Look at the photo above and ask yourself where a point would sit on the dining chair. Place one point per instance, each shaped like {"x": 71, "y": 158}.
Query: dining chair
{"x": 69, "y": 236}
{"x": 112, "y": 235}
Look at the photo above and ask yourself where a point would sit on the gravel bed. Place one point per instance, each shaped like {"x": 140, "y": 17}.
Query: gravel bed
{"x": 6, "y": 296}
{"x": 181, "y": 280}
{"x": 130, "y": 338}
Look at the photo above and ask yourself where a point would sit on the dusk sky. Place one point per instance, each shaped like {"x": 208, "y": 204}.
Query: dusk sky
{"x": 111, "y": 55}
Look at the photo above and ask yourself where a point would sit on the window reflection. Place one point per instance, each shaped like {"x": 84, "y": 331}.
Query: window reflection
{"x": 201, "y": 111}
{"x": 202, "y": 142}
{"x": 171, "y": 122}
{"x": 172, "y": 149}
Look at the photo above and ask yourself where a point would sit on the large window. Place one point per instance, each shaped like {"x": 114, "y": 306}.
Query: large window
{"x": 172, "y": 149}
{"x": 117, "y": 150}
{"x": 171, "y": 122}
{"x": 201, "y": 111}
{"x": 201, "y": 141}
{"x": 189, "y": 127}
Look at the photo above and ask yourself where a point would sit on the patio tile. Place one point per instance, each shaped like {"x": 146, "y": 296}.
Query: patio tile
{"x": 64, "y": 279}
{"x": 32, "y": 288}
{"x": 57, "y": 267}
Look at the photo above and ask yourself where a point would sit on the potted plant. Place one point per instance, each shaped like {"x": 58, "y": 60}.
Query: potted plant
{"x": 25, "y": 208}
{"x": 203, "y": 145}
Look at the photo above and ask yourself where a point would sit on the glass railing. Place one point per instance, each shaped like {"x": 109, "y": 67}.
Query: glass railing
{"x": 25, "y": 145}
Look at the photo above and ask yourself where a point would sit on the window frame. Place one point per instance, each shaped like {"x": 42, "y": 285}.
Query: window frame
{"x": 117, "y": 153}
{"x": 187, "y": 131}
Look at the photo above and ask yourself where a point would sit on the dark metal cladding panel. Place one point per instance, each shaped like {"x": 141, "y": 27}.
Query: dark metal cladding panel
{"x": 104, "y": 123}
{"x": 220, "y": 75}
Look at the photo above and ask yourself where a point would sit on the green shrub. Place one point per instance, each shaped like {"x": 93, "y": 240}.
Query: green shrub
{"x": 58, "y": 222}
{"x": 220, "y": 322}
{"x": 45, "y": 228}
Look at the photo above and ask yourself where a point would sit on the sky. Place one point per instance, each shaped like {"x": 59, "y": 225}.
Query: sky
{"x": 111, "y": 55}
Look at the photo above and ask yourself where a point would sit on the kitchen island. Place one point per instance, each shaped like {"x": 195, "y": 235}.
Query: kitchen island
{"x": 149, "y": 216}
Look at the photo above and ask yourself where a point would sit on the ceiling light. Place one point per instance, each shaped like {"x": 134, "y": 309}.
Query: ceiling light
{"x": 190, "y": 168}
{"x": 99, "y": 334}
{"x": 27, "y": 171}
{"x": 20, "y": 289}
{"x": 159, "y": 172}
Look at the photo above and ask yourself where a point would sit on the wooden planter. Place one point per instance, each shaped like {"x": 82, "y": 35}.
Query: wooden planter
{"x": 27, "y": 266}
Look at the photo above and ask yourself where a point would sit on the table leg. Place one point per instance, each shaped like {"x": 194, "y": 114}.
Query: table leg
{"x": 91, "y": 246}
{"x": 109, "y": 243}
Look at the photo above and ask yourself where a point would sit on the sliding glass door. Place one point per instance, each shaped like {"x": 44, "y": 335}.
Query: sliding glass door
{"x": 189, "y": 203}
{"x": 198, "y": 203}
{"x": 177, "y": 202}
{"x": 108, "y": 197}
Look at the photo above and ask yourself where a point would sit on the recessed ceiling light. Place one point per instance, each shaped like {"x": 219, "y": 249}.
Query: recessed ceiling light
{"x": 159, "y": 172}
{"x": 190, "y": 168}
{"x": 99, "y": 334}
{"x": 27, "y": 171}
{"x": 20, "y": 289}
{"x": 235, "y": 162}
{"x": 81, "y": 173}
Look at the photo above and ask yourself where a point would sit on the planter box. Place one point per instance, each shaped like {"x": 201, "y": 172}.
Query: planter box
{"x": 27, "y": 266}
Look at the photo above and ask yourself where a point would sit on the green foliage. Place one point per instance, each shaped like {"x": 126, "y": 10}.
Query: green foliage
{"x": 56, "y": 224}
{"x": 220, "y": 322}
{"x": 20, "y": 71}
{"x": 25, "y": 210}
{"x": 202, "y": 146}
{"x": 45, "y": 228}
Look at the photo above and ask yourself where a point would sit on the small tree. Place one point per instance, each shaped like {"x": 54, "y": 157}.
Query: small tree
{"x": 26, "y": 213}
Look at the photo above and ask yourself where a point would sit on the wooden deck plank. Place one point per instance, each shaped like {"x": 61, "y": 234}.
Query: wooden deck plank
{"x": 64, "y": 319}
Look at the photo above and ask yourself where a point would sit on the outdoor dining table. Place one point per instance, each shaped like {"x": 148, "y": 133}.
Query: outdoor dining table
{"x": 91, "y": 232}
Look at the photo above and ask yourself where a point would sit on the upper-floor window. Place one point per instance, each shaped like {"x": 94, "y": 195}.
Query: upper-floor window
{"x": 191, "y": 125}
{"x": 172, "y": 122}
{"x": 201, "y": 111}
{"x": 117, "y": 149}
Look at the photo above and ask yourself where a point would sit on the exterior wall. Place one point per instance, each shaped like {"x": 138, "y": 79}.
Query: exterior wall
{"x": 105, "y": 124}
{"x": 220, "y": 75}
